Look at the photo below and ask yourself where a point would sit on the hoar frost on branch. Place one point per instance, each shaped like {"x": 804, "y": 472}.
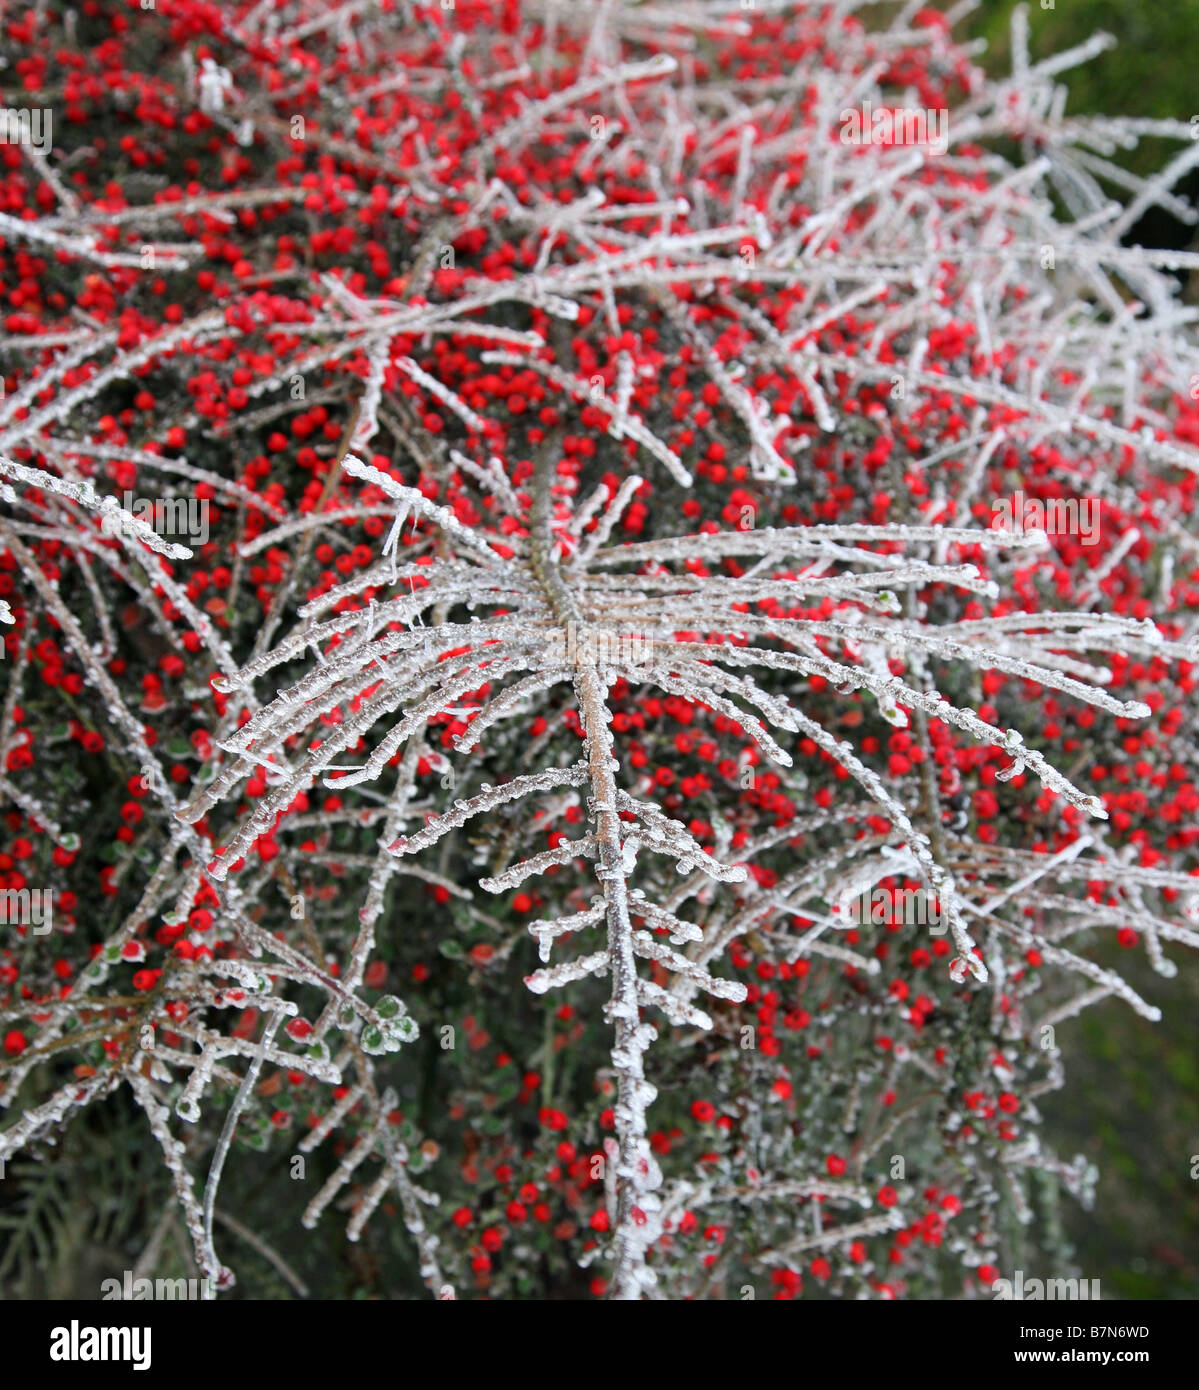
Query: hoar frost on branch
{"x": 505, "y": 384}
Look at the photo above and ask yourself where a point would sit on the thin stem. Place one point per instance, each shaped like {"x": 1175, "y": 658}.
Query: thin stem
{"x": 632, "y": 1037}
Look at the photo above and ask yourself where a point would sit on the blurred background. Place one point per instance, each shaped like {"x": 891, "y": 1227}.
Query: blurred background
{"x": 1148, "y": 72}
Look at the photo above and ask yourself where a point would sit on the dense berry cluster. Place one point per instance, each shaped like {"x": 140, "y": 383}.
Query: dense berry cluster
{"x": 594, "y": 666}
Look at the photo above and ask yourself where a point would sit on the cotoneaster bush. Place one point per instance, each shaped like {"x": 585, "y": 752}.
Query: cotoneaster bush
{"x": 500, "y": 535}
